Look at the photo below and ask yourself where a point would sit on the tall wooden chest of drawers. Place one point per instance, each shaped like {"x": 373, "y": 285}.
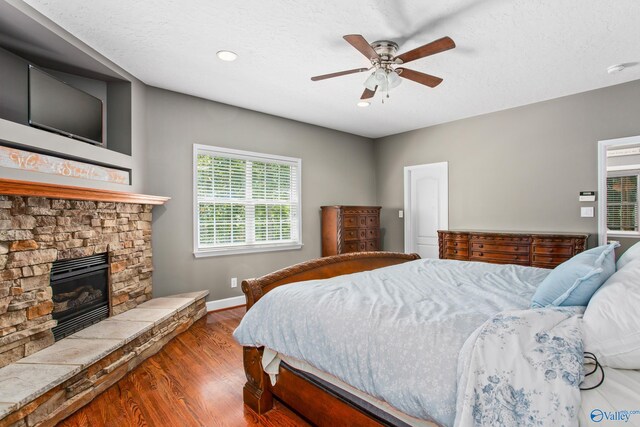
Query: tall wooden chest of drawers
{"x": 350, "y": 229}
{"x": 545, "y": 250}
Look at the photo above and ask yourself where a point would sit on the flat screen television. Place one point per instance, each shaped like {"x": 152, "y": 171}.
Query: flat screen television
{"x": 58, "y": 107}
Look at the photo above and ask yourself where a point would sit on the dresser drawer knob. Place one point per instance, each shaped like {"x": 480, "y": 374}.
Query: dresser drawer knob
{"x": 481, "y": 246}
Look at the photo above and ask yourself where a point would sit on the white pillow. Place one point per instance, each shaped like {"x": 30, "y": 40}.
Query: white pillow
{"x": 629, "y": 255}
{"x": 612, "y": 319}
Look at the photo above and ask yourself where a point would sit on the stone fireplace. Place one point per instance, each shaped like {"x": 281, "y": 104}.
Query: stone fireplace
{"x": 37, "y": 234}
{"x": 71, "y": 257}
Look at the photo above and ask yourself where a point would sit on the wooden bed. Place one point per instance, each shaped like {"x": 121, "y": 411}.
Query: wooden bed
{"x": 315, "y": 403}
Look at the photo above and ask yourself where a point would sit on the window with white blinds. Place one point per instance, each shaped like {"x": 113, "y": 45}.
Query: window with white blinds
{"x": 622, "y": 203}
{"x": 245, "y": 202}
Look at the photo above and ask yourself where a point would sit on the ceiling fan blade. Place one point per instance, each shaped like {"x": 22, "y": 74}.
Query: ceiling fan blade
{"x": 418, "y": 77}
{"x": 432, "y": 48}
{"x": 359, "y": 42}
{"x": 338, "y": 74}
{"x": 368, "y": 94}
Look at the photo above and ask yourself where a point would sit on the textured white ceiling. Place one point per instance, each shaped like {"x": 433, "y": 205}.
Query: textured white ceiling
{"x": 510, "y": 52}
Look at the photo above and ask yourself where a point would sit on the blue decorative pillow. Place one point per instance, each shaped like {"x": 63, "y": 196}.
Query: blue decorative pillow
{"x": 573, "y": 282}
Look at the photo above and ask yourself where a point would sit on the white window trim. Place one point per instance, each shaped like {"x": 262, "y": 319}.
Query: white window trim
{"x": 603, "y": 230}
{"x": 242, "y": 249}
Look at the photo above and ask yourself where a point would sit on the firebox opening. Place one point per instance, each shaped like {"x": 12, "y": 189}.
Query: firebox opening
{"x": 80, "y": 293}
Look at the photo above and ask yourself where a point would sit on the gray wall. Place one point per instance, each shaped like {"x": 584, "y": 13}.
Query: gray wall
{"x": 337, "y": 168}
{"x": 519, "y": 169}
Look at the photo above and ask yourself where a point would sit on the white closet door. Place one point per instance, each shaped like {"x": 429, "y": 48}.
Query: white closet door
{"x": 426, "y": 205}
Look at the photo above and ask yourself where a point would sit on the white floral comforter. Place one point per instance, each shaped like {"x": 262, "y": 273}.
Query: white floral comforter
{"x": 522, "y": 368}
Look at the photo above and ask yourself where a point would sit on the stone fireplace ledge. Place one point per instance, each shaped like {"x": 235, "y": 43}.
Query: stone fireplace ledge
{"x": 31, "y": 378}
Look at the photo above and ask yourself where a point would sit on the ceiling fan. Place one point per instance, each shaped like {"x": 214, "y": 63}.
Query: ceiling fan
{"x": 386, "y": 74}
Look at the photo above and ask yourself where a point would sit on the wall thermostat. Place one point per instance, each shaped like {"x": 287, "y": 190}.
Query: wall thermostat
{"x": 587, "y": 196}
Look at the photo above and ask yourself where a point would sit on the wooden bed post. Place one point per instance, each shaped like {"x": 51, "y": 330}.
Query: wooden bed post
{"x": 256, "y": 392}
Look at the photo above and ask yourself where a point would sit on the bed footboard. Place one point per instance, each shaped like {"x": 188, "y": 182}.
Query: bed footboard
{"x": 257, "y": 392}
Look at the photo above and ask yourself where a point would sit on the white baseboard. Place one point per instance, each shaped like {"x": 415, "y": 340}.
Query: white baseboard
{"x": 225, "y": 303}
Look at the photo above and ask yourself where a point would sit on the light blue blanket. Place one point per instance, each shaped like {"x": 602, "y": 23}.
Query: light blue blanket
{"x": 394, "y": 333}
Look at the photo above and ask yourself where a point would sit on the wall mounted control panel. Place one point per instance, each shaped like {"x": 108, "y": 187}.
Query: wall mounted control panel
{"x": 587, "y": 196}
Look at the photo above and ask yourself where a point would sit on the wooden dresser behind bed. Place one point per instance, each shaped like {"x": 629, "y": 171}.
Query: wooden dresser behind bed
{"x": 348, "y": 229}
{"x": 545, "y": 250}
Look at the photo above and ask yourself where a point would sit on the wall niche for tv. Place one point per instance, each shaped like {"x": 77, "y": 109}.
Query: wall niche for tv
{"x": 115, "y": 95}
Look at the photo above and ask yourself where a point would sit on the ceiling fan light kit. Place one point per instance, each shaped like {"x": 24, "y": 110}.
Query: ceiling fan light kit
{"x": 382, "y": 79}
{"x": 386, "y": 74}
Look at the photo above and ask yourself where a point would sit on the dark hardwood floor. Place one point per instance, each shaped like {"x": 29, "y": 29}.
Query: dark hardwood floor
{"x": 195, "y": 380}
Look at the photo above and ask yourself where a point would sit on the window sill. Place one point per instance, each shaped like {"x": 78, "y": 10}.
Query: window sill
{"x": 630, "y": 234}
{"x": 204, "y": 253}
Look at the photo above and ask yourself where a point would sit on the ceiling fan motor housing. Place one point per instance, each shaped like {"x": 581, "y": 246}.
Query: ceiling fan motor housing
{"x": 386, "y": 49}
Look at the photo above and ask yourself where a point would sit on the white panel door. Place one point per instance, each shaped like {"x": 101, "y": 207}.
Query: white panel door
{"x": 426, "y": 205}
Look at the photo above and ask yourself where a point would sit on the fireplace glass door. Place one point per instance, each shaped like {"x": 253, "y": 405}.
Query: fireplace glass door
{"x": 80, "y": 293}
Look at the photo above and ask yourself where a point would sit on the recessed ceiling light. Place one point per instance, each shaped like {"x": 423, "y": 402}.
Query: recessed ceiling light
{"x": 227, "y": 55}
{"x": 616, "y": 68}
{"x": 363, "y": 104}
